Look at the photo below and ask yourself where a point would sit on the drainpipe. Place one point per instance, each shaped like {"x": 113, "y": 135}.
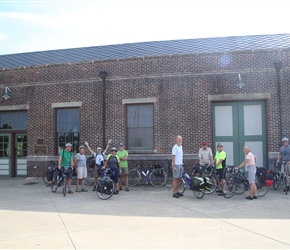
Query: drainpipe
{"x": 278, "y": 66}
{"x": 103, "y": 75}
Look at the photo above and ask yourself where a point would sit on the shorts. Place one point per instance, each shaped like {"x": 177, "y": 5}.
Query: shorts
{"x": 178, "y": 173}
{"x": 287, "y": 168}
{"x": 220, "y": 173}
{"x": 68, "y": 173}
{"x": 251, "y": 173}
{"x": 98, "y": 170}
{"x": 115, "y": 175}
{"x": 82, "y": 173}
{"x": 125, "y": 170}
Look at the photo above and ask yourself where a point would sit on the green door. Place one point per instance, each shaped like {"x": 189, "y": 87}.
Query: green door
{"x": 237, "y": 124}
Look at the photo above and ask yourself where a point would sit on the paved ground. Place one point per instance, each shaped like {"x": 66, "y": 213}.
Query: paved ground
{"x": 32, "y": 217}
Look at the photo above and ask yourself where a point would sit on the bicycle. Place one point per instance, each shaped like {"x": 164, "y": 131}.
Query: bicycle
{"x": 279, "y": 177}
{"x": 59, "y": 178}
{"x": 48, "y": 173}
{"x": 105, "y": 186}
{"x": 91, "y": 162}
{"x": 238, "y": 184}
{"x": 186, "y": 182}
{"x": 155, "y": 174}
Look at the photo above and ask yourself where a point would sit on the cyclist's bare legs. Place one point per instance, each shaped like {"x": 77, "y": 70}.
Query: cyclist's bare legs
{"x": 253, "y": 190}
{"x": 69, "y": 183}
{"x": 175, "y": 185}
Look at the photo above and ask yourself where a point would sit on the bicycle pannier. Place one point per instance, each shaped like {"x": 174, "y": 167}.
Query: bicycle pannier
{"x": 198, "y": 183}
{"x": 208, "y": 183}
{"x": 197, "y": 170}
{"x": 49, "y": 174}
{"x": 260, "y": 171}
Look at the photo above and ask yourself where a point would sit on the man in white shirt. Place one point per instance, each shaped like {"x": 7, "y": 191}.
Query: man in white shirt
{"x": 177, "y": 166}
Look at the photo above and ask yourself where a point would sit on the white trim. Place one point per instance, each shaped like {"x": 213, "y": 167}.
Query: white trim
{"x": 139, "y": 100}
{"x": 66, "y": 104}
{"x": 239, "y": 97}
{"x": 14, "y": 107}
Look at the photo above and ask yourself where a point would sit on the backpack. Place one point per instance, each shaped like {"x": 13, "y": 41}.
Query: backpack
{"x": 91, "y": 162}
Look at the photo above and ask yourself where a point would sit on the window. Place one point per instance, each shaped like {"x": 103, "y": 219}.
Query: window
{"x": 140, "y": 126}
{"x": 68, "y": 128}
{"x": 13, "y": 120}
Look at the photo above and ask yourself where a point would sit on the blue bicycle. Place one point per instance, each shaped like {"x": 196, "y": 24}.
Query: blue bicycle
{"x": 197, "y": 185}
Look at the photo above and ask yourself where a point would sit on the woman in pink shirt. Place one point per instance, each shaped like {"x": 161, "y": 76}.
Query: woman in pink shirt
{"x": 250, "y": 163}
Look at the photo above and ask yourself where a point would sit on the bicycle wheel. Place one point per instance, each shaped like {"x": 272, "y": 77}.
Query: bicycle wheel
{"x": 133, "y": 177}
{"x": 199, "y": 193}
{"x": 105, "y": 189}
{"x": 182, "y": 185}
{"x": 214, "y": 184}
{"x": 242, "y": 185}
{"x": 89, "y": 181}
{"x": 44, "y": 177}
{"x": 261, "y": 189}
{"x": 54, "y": 184}
{"x": 64, "y": 185}
{"x": 158, "y": 177}
{"x": 229, "y": 188}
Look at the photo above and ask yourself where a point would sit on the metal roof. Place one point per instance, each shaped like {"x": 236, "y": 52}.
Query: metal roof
{"x": 158, "y": 48}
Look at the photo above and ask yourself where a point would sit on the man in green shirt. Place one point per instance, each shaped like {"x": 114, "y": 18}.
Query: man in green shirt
{"x": 123, "y": 156}
{"x": 65, "y": 162}
{"x": 220, "y": 162}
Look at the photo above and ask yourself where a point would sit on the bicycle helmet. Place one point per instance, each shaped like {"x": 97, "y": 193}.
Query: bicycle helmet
{"x": 68, "y": 145}
{"x": 219, "y": 144}
{"x": 285, "y": 139}
{"x": 113, "y": 149}
{"x": 82, "y": 147}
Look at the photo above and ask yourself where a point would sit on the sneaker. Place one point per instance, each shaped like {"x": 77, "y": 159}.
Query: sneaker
{"x": 220, "y": 194}
{"x": 116, "y": 192}
{"x": 78, "y": 190}
{"x": 180, "y": 194}
{"x": 249, "y": 198}
{"x": 218, "y": 191}
{"x": 255, "y": 197}
{"x": 176, "y": 195}
{"x": 84, "y": 190}
{"x": 70, "y": 192}
{"x": 94, "y": 189}
{"x": 127, "y": 189}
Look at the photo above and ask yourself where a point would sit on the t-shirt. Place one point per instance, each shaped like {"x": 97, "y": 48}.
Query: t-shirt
{"x": 205, "y": 155}
{"x": 113, "y": 161}
{"x": 285, "y": 153}
{"x": 251, "y": 159}
{"x": 177, "y": 151}
{"x": 121, "y": 154}
{"x": 66, "y": 157}
{"x": 218, "y": 156}
{"x": 81, "y": 160}
{"x": 100, "y": 158}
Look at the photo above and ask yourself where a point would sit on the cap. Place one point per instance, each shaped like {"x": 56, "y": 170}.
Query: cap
{"x": 68, "y": 145}
{"x": 113, "y": 149}
{"x": 81, "y": 147}
{"x": 219, "y": 144}
{"x": 204, "y": 143}
{"x": 99, "y": 148}
{"x": 285, "y": 139}
{"x": 122, "y": 144}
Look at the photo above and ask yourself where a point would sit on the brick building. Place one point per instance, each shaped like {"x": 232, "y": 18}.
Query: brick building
{"x": 230, "y": 89}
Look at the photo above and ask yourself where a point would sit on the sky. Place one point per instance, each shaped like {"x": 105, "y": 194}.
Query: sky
{"x": 39, "y": 25}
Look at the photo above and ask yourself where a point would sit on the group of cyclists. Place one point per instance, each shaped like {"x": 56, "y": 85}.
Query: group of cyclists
{"x": 116, "y": 161}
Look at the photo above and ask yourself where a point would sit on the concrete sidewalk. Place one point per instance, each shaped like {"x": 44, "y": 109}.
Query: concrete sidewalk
{"x": 32, "y": 217}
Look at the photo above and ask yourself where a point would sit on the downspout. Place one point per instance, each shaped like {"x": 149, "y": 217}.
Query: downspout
{"x": 278, "y": 66}
{"x": 103, "y": 75}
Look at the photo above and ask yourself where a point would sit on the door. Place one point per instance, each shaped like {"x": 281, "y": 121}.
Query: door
{"x": 21, "y": 154}
{"x": 237, "y": 124}
{"x": 5, "y": 155}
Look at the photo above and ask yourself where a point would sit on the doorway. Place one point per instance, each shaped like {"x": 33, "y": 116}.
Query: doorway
{"x": 237, "y": 124}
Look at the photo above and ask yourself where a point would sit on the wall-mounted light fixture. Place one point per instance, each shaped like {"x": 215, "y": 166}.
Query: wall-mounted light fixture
{"x": 6, "y": 95}
{"x": 240, "y": 84}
